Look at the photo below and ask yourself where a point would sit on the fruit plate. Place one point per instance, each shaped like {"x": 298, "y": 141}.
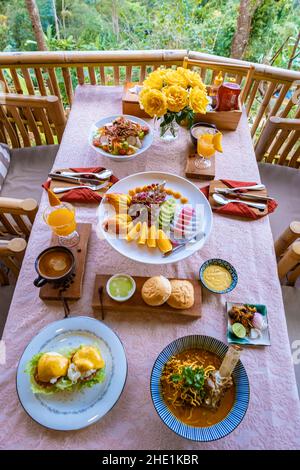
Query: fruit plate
{"x": 262, "y": 340}
{"x": 146, "y": 255}
{"x": 146, "y": 143}
{"x": 66, "y": 411}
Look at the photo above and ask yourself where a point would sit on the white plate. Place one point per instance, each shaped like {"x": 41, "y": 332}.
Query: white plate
{"x": 146, "y": 143}
{"x": 67, "y": 411}
{"x": 144, "y": 254}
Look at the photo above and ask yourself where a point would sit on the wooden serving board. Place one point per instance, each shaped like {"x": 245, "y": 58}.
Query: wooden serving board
{"x": 218, "y": 184}
{"x": 49, "y": 292}
{"x": 64, "y": 184}
{"x": 136, "y": 303}
{"x": 191, "y": 171}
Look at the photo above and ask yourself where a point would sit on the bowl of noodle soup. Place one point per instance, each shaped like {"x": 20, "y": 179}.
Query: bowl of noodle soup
{"x": 180, "y": 395}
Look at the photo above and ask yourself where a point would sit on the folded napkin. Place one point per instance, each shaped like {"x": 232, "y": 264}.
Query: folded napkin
{"x": 237, "y": 209}
{"x": 86, "y": 195}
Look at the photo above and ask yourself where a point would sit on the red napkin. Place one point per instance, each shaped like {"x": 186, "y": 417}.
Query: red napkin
{"x": 86, "y": 195}
{"x": 236, "y": 209}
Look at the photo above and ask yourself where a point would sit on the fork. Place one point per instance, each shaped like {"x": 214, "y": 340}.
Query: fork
{"x": 92, "y": 187}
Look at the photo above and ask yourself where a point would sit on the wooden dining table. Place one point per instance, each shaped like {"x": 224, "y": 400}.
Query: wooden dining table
{"x": 273, "y": 417}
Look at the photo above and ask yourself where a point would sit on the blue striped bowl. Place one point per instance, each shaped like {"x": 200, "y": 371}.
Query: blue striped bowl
{"x": 225, "y": 264}
{"x": 234, "y": 417}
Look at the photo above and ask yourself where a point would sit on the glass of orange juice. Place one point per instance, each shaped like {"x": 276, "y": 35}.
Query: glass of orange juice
{"x": 61, "y": 219}
{"x": 205, "y": 146}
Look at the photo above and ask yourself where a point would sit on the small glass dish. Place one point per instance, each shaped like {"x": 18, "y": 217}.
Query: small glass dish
{"x": 224, "y": 264}
{"x": 123, "y": 291}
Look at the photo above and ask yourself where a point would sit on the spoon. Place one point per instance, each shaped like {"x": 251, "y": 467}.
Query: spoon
{"x": 223, "y": 201}
{"x": 102, "y": 175}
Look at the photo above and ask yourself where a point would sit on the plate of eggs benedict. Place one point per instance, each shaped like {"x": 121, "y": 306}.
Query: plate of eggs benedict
{"x": 71, "y": 373}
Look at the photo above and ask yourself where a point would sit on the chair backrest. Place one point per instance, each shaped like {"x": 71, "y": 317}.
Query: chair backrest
{"x": 280, "y": 142}
{"x": 17, "y": 216}
{"x": 233, "y": 70}
{"x": 27, "y": 120}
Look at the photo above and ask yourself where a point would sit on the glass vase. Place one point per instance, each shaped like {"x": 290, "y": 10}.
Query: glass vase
{"x": 168, "y": 132}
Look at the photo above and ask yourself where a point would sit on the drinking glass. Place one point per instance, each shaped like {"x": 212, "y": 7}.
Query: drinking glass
{"x": 62, "y": 221}
{"x": 205, "y": 147}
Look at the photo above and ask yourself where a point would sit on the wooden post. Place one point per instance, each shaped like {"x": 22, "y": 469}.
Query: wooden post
{"x": 247, "y": 85}
{"x": 287, "y": 238}
{"x": 293, "y": 276}
{"x": 289, "y": 260}
{"x": 57, "y": 115}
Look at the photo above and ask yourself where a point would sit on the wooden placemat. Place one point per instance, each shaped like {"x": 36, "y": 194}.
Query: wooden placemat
{"x": 49, "y": 292}
{"x": 136, "y": 303}
{"x": 191, "y": 171}
{"x": 219, "y": 184}
{"x": 64, "y": 184}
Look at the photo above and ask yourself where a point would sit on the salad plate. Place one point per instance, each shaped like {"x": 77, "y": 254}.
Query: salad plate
{"x": 138, "y": 148}
{"x": 186, "y": 194}
{"x": 78, "y": 409}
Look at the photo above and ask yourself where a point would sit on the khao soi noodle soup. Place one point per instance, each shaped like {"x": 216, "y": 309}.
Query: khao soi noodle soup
{"x": 193, "y": 389}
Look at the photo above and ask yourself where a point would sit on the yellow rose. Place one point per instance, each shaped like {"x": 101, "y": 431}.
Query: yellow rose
{"x": 155, "y": 79}
{"x": 193, "y": 78}
{"x": 173, "y": 77}
{"x": 177, "y": 97}
{"x": 198, "y": 100}
{"x": 153, "y": 101}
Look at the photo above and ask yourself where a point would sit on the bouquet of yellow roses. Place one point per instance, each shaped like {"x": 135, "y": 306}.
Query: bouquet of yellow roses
{"x": 173, "y": 96}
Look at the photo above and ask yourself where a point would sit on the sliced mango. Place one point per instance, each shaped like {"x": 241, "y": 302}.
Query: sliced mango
{"x": 217, "y": 142}
{"x": 134, "y": 232}
{"x": 163, "y": 242}
{"x": 143, "y": 234}
{"x": 53, "y": 199}
{"x": 151, "y": 240}
{"x": 119, "y": 201}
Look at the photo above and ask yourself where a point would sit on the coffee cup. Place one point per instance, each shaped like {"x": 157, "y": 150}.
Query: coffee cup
{"x": 54, "y": 265}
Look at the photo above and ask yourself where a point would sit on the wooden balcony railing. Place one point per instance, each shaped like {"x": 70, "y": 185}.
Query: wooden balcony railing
{"x": 273, "y": 91}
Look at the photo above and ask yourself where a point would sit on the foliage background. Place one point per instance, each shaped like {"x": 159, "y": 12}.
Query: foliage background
{"x": 203, "y": 25}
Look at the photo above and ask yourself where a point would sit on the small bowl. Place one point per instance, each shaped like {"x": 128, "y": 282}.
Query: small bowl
{"x": 211, "y": 128}
{"x": 131, "y": 292}
{"x": 225, "y": 264}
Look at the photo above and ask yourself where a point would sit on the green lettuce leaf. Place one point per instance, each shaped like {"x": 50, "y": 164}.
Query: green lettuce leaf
{"x": 63, "y": 384}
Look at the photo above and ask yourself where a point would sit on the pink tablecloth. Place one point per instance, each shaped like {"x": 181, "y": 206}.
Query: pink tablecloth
{"x": 273, "y": 417}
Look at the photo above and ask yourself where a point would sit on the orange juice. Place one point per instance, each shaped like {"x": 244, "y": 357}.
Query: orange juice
{"x": 205, "y": 145}
{"x": 62, "y": 221}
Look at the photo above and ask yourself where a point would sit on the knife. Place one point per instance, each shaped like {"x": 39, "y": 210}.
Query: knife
{"x": 200, "y": 235}
{"x": 73, "y": 179}
{"x": 243, "y": 195}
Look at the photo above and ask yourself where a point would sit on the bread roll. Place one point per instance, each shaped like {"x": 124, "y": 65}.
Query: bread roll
{"x": 182, "y": 295}
{"x": 156, "y": 290}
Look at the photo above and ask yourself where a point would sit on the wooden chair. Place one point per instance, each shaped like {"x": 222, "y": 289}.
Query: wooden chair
{"x": 16, "y": 219}
{"x": 279, "y": 142}
{"x": 11, "y": 255}
{"x": 287, "y": 250}
{"x": 17, "y": 216}
{"x": 31, "y": 119}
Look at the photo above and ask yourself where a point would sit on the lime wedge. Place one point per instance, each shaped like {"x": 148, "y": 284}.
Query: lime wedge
{"x": 239, "y": 330}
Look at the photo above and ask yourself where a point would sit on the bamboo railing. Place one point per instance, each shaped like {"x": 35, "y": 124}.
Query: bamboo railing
{"x": 58, "y": 73}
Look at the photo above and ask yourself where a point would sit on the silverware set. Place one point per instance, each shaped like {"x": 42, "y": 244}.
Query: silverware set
{"x": 82, "y": 180}
{"x": 244, "y": 198}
